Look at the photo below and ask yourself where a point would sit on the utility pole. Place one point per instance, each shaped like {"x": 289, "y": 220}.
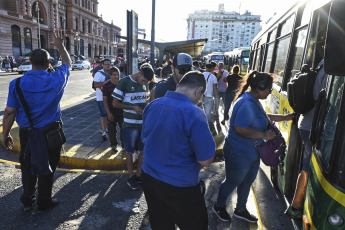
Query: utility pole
{"x": 153, "y": 33}
{"x": 39, "y": 28}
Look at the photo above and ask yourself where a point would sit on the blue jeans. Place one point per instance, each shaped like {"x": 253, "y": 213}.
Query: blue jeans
{"x": 240, "y": 173}
{"x": 101, "y": 108}
{"x": 208, "y": 106}
{"x": 304, "y": 134}
{"x": 132, "y": 140}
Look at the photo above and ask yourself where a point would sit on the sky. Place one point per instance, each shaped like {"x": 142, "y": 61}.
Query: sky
{"x": 170, "y": 17}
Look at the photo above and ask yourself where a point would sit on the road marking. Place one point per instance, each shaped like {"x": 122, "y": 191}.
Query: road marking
{"x": 257, "y": 209}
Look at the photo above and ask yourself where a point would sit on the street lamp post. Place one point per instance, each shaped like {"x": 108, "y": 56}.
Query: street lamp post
{"x": 38, "y": 21}
{"x": 77, "y": 40}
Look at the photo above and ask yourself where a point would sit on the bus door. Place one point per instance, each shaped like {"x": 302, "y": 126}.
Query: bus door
{"x": 325, "y": 196}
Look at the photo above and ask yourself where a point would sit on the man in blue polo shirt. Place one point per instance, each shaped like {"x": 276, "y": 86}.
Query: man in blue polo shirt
{"x": 177, "y": 143}
{"x": 42, "y": 92}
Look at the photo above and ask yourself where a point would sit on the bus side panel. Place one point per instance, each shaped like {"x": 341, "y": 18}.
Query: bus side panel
{"x": 319, "y": 202}
{"x": 276, "y": 103}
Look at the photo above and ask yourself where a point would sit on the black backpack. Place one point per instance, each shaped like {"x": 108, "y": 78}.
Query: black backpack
{"x": 300, "y": 89}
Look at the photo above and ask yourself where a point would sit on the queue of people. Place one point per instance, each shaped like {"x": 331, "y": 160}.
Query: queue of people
{"x": 176, "y": 113}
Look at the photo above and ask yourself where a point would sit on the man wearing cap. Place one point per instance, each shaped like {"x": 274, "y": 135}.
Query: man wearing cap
{"x": 177, "y": 143}
{"x": 182, "y": 64}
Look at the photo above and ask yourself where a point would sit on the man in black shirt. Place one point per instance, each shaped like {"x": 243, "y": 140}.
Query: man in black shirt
{"x": 182, "y": 64}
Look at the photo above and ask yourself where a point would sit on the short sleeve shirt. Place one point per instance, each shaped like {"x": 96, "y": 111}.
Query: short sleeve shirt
{"x": 42, "y": 92}
{"x": 99, "y": 77}
{"x": 247, "y": 113}
{"x": 131, "y": 93}
{"x": 176, "y": 136}
{"x": 107, "y": 90}
{"x": 211, "y": 80}
{"x": 222, "y": 85}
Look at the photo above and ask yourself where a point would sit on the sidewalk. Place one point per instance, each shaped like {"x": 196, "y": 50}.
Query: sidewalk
{"x": 84, "y": 147}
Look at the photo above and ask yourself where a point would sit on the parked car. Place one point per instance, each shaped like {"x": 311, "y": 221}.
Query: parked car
{"x": 25, "y": 67}
{"x": 81, "y": 65}
{"x": 56, "y": 65}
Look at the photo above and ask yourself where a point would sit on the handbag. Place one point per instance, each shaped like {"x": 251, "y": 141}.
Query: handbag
{"x": 272, "y": 152}
{"x": 55, "y": 137}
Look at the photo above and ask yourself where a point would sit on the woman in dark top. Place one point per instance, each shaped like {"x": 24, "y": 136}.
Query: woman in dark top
{"x": 233, "y": 82}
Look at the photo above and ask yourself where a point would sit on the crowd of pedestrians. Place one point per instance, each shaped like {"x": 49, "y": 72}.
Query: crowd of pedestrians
{"x": 167, "y": 117}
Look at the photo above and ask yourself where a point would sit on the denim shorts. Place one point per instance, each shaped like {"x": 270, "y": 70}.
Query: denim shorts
{"x": 132, "y": 139}
{"x": 101, "y": 109}
{"x": 304, "y": 134}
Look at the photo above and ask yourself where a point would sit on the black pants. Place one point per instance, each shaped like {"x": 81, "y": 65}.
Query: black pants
{"x": 45, "y": 182}
{"x": 112, "y": 131}
{"x": 229, "y": 97}
{"x": 169, "y": 205}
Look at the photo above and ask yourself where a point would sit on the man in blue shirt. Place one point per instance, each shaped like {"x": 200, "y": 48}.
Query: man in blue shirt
{"x": 177, "y": 143}
{"x": 42, "y": 92}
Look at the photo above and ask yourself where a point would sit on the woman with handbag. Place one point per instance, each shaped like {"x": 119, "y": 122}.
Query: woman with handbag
{"x": 248, "y": 122}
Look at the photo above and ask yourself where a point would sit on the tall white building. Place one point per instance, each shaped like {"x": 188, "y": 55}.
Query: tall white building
{"x": 225, "y": 31}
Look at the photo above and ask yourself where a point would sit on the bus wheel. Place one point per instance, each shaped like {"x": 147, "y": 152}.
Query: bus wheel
{"x": 274, "y": 177}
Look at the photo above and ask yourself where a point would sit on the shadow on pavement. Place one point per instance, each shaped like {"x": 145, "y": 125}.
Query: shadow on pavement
{"x": 87, "y": 201}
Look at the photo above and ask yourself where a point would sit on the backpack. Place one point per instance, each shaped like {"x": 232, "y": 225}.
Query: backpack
{"x": 300, "y": 89}
{"x": 107, "y": 77}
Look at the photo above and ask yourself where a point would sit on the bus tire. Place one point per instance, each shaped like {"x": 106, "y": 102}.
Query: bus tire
{"x": 274, "y": 177}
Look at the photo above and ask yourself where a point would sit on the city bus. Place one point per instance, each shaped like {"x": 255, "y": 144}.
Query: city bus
{"x": 306, "y": 33}
{"x": 238, "y": 56}
{"x": 214, "y": 56}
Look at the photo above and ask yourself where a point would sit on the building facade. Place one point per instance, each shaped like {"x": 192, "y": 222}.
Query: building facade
{"x": 225, "y": 31}
{"x": 29, "y": 24}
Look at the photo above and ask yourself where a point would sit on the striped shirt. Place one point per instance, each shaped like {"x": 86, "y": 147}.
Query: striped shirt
{"x": 133, "y": 94}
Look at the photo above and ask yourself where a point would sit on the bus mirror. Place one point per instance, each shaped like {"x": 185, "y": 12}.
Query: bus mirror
{"x": 334, "y": 47}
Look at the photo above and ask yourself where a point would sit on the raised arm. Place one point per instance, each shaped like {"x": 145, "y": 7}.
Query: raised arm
{"x": 58, "y": 43}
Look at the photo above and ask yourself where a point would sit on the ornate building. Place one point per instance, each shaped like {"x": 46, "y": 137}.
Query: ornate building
{"x": 24, "y": 21}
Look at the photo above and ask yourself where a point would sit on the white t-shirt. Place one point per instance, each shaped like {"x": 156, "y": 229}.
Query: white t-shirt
{"x": 99, "y": 77}
{"x": 212, "y": 80}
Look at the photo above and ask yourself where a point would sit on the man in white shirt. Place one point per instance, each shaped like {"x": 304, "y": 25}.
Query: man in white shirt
{"x": 211, "y": 91}
{"x": 102, "y": 77}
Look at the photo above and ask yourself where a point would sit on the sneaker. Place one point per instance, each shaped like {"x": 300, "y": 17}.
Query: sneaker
{"x": 245, "y": 215}
{"x": 132, "y": 183}
{"x": 104, "y": 136}
{"x": 221, "y": 213}
{"x": 53, "y": 203}
{"x": 137, "y": 178}
{"x": 28, "y": 208}
{"x": 114, "y": 148}
{"x": 294, "y": 213}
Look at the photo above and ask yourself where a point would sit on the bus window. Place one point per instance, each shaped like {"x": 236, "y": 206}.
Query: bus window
{"x": 286, "y": 27}
{"x": 269, "y": 58}
{"x": 327, "y": 138}
{"x": 272, "y": 35}
{"x": 306, "y": 15}
{"x": 316, "y": 40}
{"x": 296, "y": 54}
{"x": 257, "y": 53}
{"x": 280, "y": 62}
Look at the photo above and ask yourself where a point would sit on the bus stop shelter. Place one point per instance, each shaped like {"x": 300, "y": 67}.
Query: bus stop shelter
{"x": 168, "y": 50}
